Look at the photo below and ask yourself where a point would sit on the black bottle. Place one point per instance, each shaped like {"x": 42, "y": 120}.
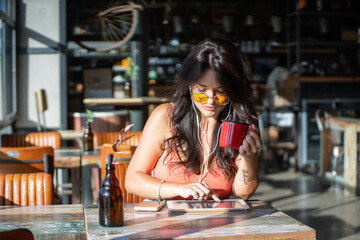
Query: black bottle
{"x": 111, "y": 210}
{"x": 88, "y": 138}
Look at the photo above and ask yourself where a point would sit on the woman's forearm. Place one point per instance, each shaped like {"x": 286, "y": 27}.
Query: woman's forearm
{"x": 246, "y": 179}
{"x": 146, "y": 186}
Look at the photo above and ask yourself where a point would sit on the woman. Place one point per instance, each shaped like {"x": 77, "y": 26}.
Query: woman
{"x": 178, "y": 156}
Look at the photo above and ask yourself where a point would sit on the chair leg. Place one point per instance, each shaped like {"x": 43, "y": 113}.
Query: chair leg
{"x": 48, "y": 166}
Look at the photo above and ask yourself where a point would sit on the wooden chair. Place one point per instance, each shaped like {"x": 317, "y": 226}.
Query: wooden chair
{"x": 41, "y": 106}
{"x": 26, "y": 189}
{"x": 331, "y": 152}
{"x": 101, "y": 138}
{"x": 40, "y": 139}
{"x": 52, "y": 139}
{"x": 120, "y": 169}
{"x": 19, "y": 233}
{"x": 26, "y": 160}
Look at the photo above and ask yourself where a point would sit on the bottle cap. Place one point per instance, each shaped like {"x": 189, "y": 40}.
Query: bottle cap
{"x": 109, "y": 158}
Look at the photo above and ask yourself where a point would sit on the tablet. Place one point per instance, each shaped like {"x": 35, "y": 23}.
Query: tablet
{"x": 227, "y": 205}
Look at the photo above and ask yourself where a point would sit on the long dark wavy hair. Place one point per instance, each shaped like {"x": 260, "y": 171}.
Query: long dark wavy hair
{"x": 227, "y": 62}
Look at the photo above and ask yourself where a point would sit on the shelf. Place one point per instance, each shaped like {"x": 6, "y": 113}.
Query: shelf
{"x": 289, "y": 108}
{"x": 162, "y": 87}
{"x": 329, "y": 79}
{"x": 170, "y": 55}
{"x": 337, "y": 44}
{"x": 282, "y": 145}
{"x": 275, "y": 51}
{"x": 334, "y": 14}
{"x": 266, "y": 54}
{"x": 118, "y": 68}
{"x": 100, "y": 55}
{"x": 318, "y": 51}
{"x": 212, "y": 26}
{"x": 97, "y": 37}
{"x": 75, "y": 94}
{"x": 188, "y": 27}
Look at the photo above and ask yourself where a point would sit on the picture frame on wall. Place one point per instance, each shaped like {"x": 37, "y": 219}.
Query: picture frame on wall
{"x": 97, "y": 82}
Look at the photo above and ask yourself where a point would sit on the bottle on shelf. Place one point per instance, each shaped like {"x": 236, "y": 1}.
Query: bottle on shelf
{"x": 111, "y": 202}
{"x": 152, "y": 75}
{"x": 127, "y": 88}
{"x": 88, "y": 138}
{"x": 119, "y": 86}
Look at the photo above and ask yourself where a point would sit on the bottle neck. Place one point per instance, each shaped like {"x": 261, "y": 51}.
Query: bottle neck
{"x": 88, "y": 128}
{"x": 109, "y": 167}
{"x": 109, "y": 174}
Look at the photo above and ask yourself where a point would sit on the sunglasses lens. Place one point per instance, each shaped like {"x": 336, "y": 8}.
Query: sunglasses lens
{"x": 203, "y": 98}
{"x": 222, "y": 100}
{"x": 200, "y": 97}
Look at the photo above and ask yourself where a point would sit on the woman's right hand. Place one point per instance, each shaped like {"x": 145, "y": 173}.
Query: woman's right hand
{"x": 199, "y": 191}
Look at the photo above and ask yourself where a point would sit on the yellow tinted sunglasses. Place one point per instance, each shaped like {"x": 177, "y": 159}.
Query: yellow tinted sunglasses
{"x": 203, "y": 98}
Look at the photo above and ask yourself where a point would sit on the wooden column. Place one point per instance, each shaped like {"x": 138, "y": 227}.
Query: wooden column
{"x": 350, "y": 159}
{"x": 325, "y": 151}
{"x": 350, "y": 126}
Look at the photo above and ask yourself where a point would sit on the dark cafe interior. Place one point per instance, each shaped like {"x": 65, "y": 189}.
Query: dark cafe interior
{"x": 167, "y": 119}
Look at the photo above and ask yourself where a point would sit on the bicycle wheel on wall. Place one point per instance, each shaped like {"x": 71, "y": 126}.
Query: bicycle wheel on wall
{"x": 118, "y": 25}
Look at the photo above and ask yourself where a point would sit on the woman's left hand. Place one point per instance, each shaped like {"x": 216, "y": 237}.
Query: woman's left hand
{"x": 252, "y": 142}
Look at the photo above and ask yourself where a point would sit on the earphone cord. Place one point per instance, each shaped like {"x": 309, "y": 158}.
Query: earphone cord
{"x": 198, "y": 137}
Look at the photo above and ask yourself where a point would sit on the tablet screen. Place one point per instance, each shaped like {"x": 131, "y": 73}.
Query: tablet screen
{"x": 206, "y": 205}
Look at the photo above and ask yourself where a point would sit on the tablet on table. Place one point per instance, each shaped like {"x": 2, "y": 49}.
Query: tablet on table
{"x": 227, "y": 205}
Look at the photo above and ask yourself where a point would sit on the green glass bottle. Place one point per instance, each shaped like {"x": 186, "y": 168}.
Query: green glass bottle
{"x": 88, "y": 138}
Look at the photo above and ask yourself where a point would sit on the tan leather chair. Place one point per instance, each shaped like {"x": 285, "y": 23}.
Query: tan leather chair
{"x": 120, "y": 169}
{"x": 52, "y": 139}
{"x": 26, "y": 189}
{"x": 101, "y": 138}
{"x": 26, "y": 160}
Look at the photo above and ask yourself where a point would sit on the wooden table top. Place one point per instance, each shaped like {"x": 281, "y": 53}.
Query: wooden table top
{"x": 67, "y": 158}
{"x": 340, "y": 123}
{"x": 260, "y": 222}
{"x": 71, "y": 157}
{"x": 45, "y": 222}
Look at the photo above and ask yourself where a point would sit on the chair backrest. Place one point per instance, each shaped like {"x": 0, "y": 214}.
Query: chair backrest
{"x": 120, "y": 169}
{"x": 101, "y": 138}
{"x": 13, "y": 140}
{"x": 26, "y": 189}
{"x": 52, "y": 139}
{"x": 19, "y": 233}
{"x": 41, "y": 104}
{"x": 26, "y": 160}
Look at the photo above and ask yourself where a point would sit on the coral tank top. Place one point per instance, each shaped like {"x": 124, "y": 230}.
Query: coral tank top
{"x": 216, "y": 179}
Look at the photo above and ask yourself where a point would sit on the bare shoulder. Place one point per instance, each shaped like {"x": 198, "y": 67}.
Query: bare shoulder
{"x": 155, "y": 132}
{"x": 163, "y": 109}
{"x": 162, "y": 113}
{"x": 160, "y": 119}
